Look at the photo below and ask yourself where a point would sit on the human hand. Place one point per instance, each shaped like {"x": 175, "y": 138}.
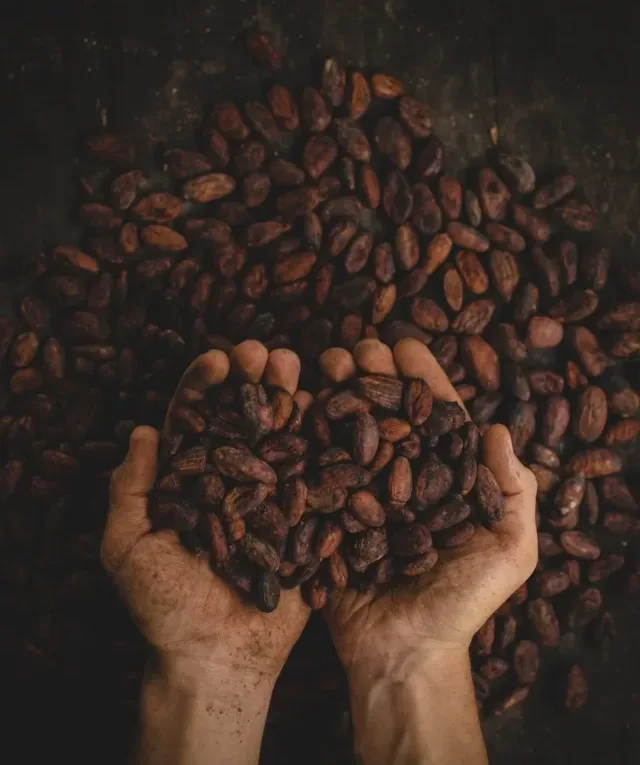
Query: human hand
{"x": 406, "y": 652}
{"x": 447, "y": 607}
{"x": 181, "y": 607}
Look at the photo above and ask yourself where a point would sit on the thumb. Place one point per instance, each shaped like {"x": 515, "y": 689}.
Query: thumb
{"x": 499, "y": 457}
{"x": 516, "y": 482}
{"x": 127, "y": 521}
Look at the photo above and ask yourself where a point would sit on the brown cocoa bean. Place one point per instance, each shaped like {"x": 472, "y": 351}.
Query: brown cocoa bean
{"x": 416, "y": 116}
{"x": 595, "y": 462}
{"x": 586, "y": 346}
{"x": 494, "y": 195}
{"x": 591, "y": 414}
{"x": 550, "y": 583}
{"x": 450, "y": 196}
{"x": 577, "y": 691}
{"x": 473, "y": 320}
{"x": 345, "y": 404}
{"x": 452, "y": 288}
{"x": 570, "y": 494}
{"x": 209, "y": 490}
{"x": 472, "y": 271}
{"x": 494, "y": 667}
{"x": 397, "y": 199}
{"x": 526, "y": 662}
{"x": 455, "y": 536}
{"x": 385, "y": 86}
{"x": 586, "y": 609}
{"x": 352, "y": 139}
{"x": 413, "y": 539}
{"x": 191, "y": 461}
{"x": 483, "y": 361}
{"x": 381, "y": 391}
{"x": 579, "y": 545}
{"x": 433, "y": 482}
{"x": 467, "y": 237}
{"x": 451, "y": 513}
{"x": 545, "y": 383}
{"x": 506, "y": 237}
{"x": 344, "y": 476}
{"x": 544, "y": 622}
{"x": 393, "y": 142}
{"x": 243, "y": 467}
{"x": 400, "y": 481}
{"x": 366, "y": 438}
{"x": 369, "y": 546}
{"x": 603, "y": 568}
{"x": 338, "y": 572}
{"x": 420, "y": 565}
{"x": 426, "y": 214}
{"x": 485, "y": 637}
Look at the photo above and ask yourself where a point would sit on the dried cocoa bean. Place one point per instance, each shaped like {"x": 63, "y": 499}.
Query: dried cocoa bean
{"x": 544, "y": 622}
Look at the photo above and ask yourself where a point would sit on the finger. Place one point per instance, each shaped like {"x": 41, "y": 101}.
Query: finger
{"x": 212, "y": 368}
{"x": 283, "y": 369}
{"x": 374, "y": 357}
{"x": 414, "y": 359}
{"x": 127, "y": 521}
{"x": 248, "y": 360}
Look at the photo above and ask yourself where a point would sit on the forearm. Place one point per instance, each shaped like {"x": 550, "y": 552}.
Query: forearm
{"x": 192, "y": 714}
{"x": 419, "y": 711}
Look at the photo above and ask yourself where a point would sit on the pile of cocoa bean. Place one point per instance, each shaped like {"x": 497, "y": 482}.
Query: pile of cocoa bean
{"x": 227, "y": 454}
{"x": 314, "y": 221}
{"x": 390, "y": 467}
{"x": 397, "y": 474}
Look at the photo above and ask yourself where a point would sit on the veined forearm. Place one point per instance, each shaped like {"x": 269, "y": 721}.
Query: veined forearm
{"x": 190, "y": 715}
{"x": 419, "y": 712}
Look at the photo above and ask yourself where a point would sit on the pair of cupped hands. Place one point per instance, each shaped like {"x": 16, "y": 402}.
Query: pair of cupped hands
{"x": 188, "y": 613}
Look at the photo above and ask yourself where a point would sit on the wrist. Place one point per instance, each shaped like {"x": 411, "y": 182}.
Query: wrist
{"x": 204, "y": 675}
{"x": 191, "y": 708}
{"x": 421, "y": 666}
{"x": 418, "y": 707}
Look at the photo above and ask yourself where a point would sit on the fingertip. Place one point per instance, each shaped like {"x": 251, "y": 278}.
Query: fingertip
{"x": 374, "y": 357}
{"x": 248, "y": 360}
{"x": 337, "y": 364}
{"x": 211, "y": 368}
{"x": 143, "y": 440}
{"x": 303, "y": 399}
{"x": 143, "y": 434}
{"x": 498, "y": 437}
{"x": 283, "y": 369}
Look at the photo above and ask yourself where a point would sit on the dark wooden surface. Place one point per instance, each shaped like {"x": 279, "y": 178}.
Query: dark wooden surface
{"x": 553, "y": 80}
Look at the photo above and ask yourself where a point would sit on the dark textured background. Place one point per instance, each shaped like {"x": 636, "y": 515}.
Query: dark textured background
{"x": 558, "y": 80}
